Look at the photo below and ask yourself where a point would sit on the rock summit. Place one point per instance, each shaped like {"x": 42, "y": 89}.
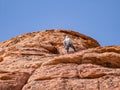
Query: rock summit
{"x": 37, "y": 61}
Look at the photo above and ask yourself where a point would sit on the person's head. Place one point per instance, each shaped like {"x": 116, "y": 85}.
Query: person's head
{"x": 66, "y": 36}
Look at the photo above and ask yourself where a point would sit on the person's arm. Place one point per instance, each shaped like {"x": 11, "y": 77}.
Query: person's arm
{"x": 70, "y": 40}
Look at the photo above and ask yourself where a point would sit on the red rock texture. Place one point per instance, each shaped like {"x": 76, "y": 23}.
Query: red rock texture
{"x": 37, "y": 61}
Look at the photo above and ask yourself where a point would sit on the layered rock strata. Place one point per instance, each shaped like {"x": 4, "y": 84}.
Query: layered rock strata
{"x": 37, "y": 61}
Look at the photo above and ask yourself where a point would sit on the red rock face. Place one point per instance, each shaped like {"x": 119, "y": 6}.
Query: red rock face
{"x": 37, "y": 61}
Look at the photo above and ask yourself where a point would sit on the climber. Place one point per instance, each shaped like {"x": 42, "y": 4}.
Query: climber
{"x": 68, "y": 43}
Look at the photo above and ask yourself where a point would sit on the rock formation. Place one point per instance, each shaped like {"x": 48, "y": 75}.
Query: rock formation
{"x": 37, "y": 61}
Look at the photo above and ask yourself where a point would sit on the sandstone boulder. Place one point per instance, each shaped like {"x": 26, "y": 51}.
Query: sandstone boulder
{"x": 37, "y": 61}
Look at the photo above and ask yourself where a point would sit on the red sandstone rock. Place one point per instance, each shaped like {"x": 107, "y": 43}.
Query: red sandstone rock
{"x": 37, "y": 61}
{"x": 13, "y": 80}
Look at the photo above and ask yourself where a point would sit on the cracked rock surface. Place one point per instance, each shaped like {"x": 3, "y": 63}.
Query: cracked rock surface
{"x": 37, "y": 61}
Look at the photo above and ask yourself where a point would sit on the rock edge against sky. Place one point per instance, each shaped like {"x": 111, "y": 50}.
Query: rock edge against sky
{"x": 37, "y": 61}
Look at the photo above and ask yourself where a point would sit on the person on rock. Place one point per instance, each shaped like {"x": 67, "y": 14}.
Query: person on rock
{"x": 68, "y": 43}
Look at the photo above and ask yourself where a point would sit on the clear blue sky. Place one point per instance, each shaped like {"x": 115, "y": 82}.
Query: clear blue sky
{"x": 99, "y": 19}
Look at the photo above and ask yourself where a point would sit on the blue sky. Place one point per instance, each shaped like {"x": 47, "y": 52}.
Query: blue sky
{"x": 99, "y": 19}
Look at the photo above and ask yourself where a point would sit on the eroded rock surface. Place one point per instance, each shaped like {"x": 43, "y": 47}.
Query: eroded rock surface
{"x": 37, "y": 61}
